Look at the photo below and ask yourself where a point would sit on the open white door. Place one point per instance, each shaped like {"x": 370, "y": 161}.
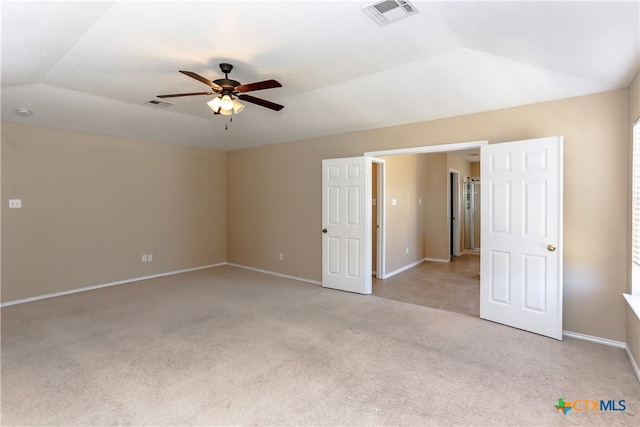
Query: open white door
{"x": 346, "y": 222}
{"x": 521, "y": 225}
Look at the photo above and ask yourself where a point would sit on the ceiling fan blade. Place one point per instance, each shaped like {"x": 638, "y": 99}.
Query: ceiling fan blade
{"x": 267, "y": 84}
{"x": 202, "y": 79}
{"x": 173, "y": 95}
{"x": 261, "y": 102}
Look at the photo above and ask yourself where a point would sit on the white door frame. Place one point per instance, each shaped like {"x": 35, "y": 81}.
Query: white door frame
{"x": 472, "y": 215}
{"x": 428, "y": 149}
{"x": 381, "y": 212}
{"x": 381, "y": 267}
{"x": 453, "y": 203}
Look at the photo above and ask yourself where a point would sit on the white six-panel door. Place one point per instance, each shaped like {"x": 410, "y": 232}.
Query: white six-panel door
{"x": 521, "y": 251}
{"x": 346, "y": 222}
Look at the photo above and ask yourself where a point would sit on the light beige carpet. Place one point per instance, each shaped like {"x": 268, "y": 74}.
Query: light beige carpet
{"x": 227, "y": 346}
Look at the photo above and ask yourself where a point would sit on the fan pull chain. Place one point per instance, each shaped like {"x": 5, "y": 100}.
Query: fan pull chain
{"x": 226, "y": 125}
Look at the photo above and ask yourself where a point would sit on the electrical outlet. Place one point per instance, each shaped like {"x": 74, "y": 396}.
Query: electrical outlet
{"x": 407, "y": 249}
{"x": 281, "y": 256}
{"x": 150, "y": 257}
{"x": 144, "y": 258}
{"x": 15, "y": 203}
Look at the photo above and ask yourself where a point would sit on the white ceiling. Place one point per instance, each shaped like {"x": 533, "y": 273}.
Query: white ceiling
{"x": 93, "y": 66}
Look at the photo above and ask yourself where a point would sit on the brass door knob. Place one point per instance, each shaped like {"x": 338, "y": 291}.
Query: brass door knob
{"x": 324, "y": 230}
{"x": 551, "y": 248}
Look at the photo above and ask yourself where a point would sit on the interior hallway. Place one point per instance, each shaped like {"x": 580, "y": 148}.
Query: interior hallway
{"x": 453, "y": 286}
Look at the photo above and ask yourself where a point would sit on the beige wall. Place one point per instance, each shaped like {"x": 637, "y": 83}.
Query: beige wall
{"x": 92, "y": 205}
{"x": 420, "y": 219}
{"x": 274, "y": 195}
{"x": 475, "y": 170}
{"x": 405, "y": 183}
{"x": 436, "y": 221}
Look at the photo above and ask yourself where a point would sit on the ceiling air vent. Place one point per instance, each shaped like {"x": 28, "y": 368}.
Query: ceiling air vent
{"x": 159, "y": 104}
{"x": 387, "y": 11}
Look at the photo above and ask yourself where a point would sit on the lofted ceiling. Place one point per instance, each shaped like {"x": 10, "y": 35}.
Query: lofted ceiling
{"x": 93, "y": 66}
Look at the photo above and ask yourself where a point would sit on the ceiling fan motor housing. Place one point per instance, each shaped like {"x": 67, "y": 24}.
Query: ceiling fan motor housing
{"x": 228, "y": 84}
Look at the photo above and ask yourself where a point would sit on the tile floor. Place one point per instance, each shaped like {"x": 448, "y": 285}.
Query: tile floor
{"x": 453, "y": 286}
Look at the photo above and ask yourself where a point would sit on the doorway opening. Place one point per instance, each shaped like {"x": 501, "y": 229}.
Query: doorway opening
{"x": 442, "y": 271}
{"x": 454, "y": 213}
{"x": 377, "y": 217}
{"x": 516, "y": 234}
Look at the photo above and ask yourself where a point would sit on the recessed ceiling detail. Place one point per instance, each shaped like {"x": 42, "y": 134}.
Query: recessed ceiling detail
{"x": 341, "y": 72}
{"x": 387, "y": 11}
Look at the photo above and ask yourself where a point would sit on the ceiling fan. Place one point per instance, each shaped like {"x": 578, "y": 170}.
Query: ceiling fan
{"x": 227, "y": 90}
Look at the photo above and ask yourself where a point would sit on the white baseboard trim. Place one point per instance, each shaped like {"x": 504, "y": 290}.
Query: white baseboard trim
{"x": 605, "y": 341}
{"x": 413, "y": 264}
{"x": 273, "y": 273}
{"x": 633, "y": 362}
{"x": 437, "y": 259}
{"x": 406, "y": 267}
{"x": 105, "y": 285}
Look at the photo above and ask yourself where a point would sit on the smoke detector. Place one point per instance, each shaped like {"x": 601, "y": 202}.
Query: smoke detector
{"x": 387, "y": 11}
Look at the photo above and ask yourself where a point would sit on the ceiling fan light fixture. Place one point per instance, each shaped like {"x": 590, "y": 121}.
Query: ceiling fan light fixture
{"x": 226, "y": 103}
{"x": 214, "y": 104}
{"x": 237, "y": 106}
{"x": 225, "y": 112}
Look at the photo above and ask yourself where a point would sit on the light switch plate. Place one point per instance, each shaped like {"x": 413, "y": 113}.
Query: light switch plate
{"x": 15, "y": 203}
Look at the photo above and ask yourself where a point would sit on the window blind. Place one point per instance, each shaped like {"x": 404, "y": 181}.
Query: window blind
{"x": 635, "y": 244}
